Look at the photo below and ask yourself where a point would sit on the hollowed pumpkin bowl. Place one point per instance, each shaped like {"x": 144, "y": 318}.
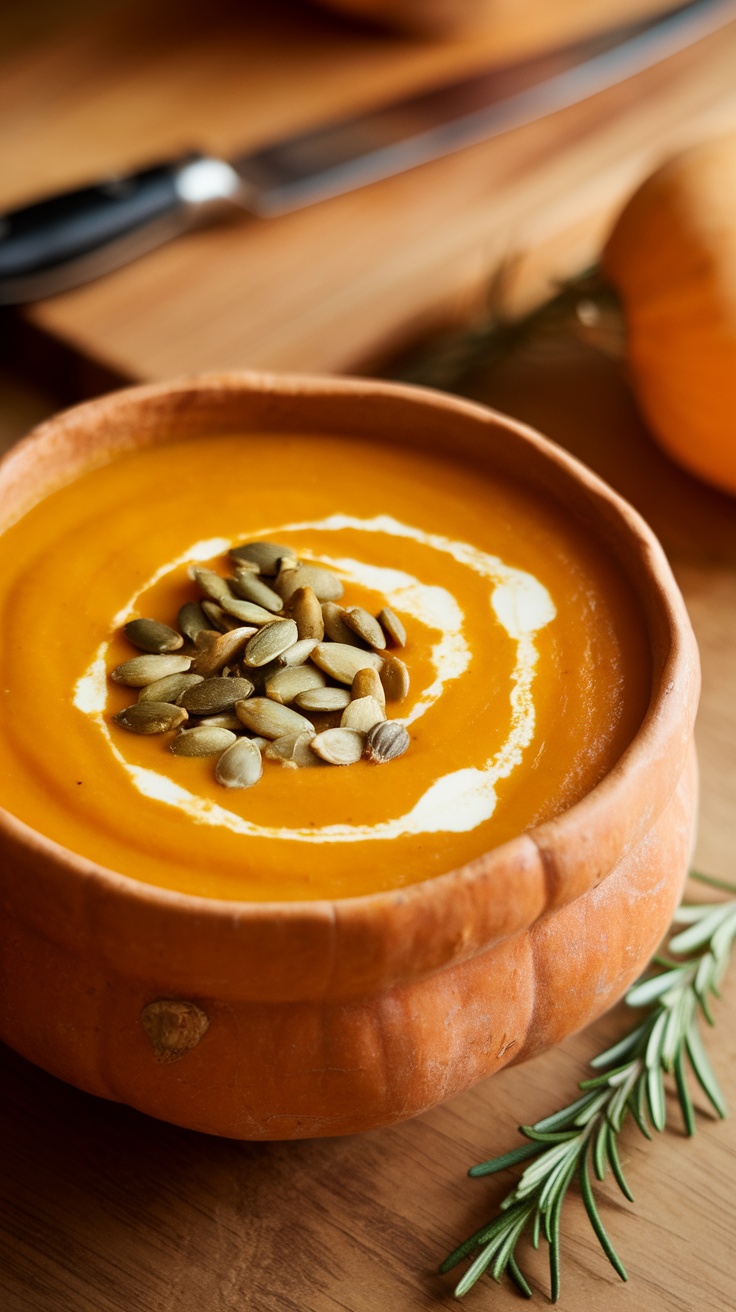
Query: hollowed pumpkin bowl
{"x": 288, "y": 1020}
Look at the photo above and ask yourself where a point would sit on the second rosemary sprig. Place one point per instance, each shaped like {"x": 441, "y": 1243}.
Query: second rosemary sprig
{"x": 583, "y": 1137}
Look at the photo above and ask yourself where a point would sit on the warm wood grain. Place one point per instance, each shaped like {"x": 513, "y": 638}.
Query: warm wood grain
{"x": 333, "y": 287}
{"x": 103, "y": 1210}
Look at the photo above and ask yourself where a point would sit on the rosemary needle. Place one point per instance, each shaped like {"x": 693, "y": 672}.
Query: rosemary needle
{"x": 581, "y": 1137}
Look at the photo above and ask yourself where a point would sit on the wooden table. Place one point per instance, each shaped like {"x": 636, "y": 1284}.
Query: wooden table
{"x": 104, "y": 1210}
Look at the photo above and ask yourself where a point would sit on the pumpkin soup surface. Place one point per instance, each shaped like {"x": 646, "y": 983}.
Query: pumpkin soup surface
{"x": 528, "y": 665}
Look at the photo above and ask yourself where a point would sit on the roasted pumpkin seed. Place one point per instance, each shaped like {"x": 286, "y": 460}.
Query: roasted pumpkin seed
{"x": 366, "y": 627}
{"x": 341, "y": 661}
{"x": 307, "y": 612}
{"x": 338, "y": 746}
{"x": 393, "y": 626}
{"x": 323, "y": 699}
{"x": 212, "y": 585}
{"x": 248, "y": 612}
{"x": 367, "y": 683}
{"x": 240, "y": 765}
{"x": 299, "y": 653}
{"x": 222, "y": 651}
{"x": 290, "y": 680}
{"x": 326, "y": 585}
{"x": 191, "y": 620}
{"x": 362, "y": 714}
{"x": 395, "y": 678}
{"x": 142, "y": 670}
{"x": 152, "y": 636}
{"x": 270, "y": 642}
{"x": 226, "y": 720}
{"x": 151, "y": 717}
{"x": 293, "y": 749}
{"x": 335, "y": 627}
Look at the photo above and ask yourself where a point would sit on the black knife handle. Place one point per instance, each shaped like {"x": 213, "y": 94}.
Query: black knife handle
{"x": 64, "y": 240}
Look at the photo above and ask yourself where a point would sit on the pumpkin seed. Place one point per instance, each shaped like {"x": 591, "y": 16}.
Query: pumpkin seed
{"x": 293, "y": 749}
{"x": 152, "y": 636}
{"x": 142, "y": 670}
{"x": 226, "y": 720}
{"x": 151, "y": 717}
{"x": 307, "y": 613}
{"x": 386, "y": 741}
{"x": 335, "y": 627}
{"x": 202, "y": 740}
{"x": 286, "y": 683}
{"x": 393, "y": 626}
{"x": 395, "y": 678}
{"x": 299, "y": 653}
{"x": 248, "y": 612}
{"x": 266, "y": 555}
{"x": 212, "y": 585}
{"x": 341, "y": 661}
{"x": 338, "y": 746}
{"x": 366, "y": 627}
{"x": 221, "y": 652}
{"x": 168, "y": 689}
{"x": 362, "y": 714}
{"x": 271, "y": 719}
{"x": 326, "y": 585}
{"x": 216, "y": 616}
{"x": 323, "y": 699}
{"x": 367, "y": 683}
{"x": 270, "y": 642}
{"x": 213, "y": 696}
{"x": 205, "y": 639}
{"x": 250, "y": 588}
{"x": 240, "y": 765}
{"x": 191, "y": 620}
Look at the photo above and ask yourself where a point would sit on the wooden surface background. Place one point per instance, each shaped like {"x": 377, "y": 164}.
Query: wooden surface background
{"x": 338, "y": 285}
{"x": 104, "y": 1210}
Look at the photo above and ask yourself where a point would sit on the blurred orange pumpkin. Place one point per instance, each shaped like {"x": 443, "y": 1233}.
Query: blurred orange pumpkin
{"x": 424, "y": 17}
{"x": 672, "y": 259}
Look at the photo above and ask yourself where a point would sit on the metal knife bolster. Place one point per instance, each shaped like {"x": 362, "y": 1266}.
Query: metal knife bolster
{"x": 64, "y": 240}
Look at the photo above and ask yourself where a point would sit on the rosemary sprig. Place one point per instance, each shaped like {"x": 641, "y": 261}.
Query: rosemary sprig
{"x": 582, "y": 1137}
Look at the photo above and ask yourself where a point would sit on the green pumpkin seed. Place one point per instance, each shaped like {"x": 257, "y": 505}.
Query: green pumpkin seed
{"x": 212, "y": 585}
{"x": 338, "y": 746}
{"x": 386, "y": 741}
{"x": 250, "y": 588}
{"x": 240, "y": 766}
{"x": 191, "y": 620}
{"x": 362, "y": 714}
{"x": 152, "y": 636}
{"x": 202, "y": 740}
{"x": 265, "y": 555}
{"x": 341, "y": 661}
{"x": 150, "y": 717}
{"x": 271, "y": 719}
{"x": 270, "y": 642}
{"x": 326, "y": 585}
{"x": 142, "y": 670}
{"x": 213, "y": 696}
{"x": 168, "y": 689}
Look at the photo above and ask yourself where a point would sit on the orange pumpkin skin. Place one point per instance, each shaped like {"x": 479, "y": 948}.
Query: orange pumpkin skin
{"x": 672, "y": 258}
{"x": 330, "y": 1018}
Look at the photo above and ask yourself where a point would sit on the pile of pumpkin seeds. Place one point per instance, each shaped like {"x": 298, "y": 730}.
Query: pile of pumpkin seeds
{"x": 268, "y": 664}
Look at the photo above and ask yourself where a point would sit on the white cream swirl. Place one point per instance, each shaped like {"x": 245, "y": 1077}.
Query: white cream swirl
{"x": 456, "y": 802}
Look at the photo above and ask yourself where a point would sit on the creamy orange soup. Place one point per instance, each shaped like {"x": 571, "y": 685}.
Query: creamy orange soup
{"x": 529, "y": 673}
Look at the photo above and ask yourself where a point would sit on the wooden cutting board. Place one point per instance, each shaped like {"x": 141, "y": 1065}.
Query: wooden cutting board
{"x": 337, "y": 286}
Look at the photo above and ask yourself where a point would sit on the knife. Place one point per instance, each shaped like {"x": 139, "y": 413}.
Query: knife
{"x": 64, "y": 240}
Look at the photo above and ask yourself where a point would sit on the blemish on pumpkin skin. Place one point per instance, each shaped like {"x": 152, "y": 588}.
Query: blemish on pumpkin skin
{"x": 505, "y": 1047}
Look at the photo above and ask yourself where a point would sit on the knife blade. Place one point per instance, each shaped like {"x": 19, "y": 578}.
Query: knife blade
{"x": 59, "y": 242}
